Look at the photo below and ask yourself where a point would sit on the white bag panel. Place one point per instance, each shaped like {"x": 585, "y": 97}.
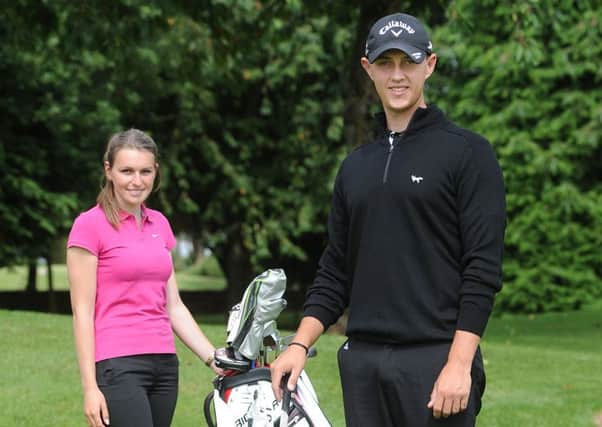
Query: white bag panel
{"x": 306, "y": 396}
{"x": 223, "y": 415}
{"x": 248, "y": 402}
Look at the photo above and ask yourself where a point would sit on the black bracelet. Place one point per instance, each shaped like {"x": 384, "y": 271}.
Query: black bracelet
{"x": 300, "y": 345}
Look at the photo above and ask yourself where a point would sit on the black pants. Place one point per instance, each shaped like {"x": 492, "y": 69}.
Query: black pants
{"x": 390, "y": 385}
{"x": 141, "y": 390}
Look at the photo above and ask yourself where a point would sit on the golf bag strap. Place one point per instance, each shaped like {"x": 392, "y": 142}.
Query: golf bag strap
{"x": 250, "y": 377}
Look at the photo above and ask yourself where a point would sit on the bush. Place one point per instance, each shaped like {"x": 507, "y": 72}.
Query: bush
{"x": 533, "y": 89}
{"x": 209, "y": 266}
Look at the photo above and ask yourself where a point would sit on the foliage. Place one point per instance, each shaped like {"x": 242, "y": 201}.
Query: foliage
{"x": 527, "y": 76}
{"x": 65, "y": 66}
{"x": 209, "y": 266}
{"x": 31, "y": 210}
{"x": 242, "y": 97}
{"x": 256, "y": 129}
{"x": 253, "y": 102}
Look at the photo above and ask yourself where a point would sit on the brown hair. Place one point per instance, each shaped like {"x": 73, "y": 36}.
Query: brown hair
{"x": 132, "y": 138}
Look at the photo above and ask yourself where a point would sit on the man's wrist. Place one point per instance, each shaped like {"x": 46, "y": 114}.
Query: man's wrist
{"x": 300, "y": 345}
{"x": 463, "y": 364}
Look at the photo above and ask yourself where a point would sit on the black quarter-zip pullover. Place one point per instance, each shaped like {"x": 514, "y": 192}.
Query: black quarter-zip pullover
{"x": 415, "y": 235}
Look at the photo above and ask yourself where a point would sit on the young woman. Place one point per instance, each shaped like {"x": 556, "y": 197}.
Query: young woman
{"x": 125, "y": 298}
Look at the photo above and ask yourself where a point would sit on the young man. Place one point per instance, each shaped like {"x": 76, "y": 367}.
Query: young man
{"x": 415, "y": 251}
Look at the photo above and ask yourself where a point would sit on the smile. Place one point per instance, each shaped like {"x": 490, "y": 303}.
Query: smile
{"x": 398, "y": 90}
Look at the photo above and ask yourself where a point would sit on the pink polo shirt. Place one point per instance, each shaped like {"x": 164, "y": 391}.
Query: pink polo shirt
{"x": 130, "y": 315}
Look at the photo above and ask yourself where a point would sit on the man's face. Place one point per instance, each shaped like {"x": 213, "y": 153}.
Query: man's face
{"x": 399, "y": 82}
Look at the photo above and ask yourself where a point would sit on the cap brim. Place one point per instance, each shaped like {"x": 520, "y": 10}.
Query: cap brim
{"x": 416, "y": 55}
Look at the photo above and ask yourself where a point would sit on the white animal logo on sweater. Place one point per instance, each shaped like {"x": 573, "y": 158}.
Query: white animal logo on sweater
{"x": 417, "y": 179}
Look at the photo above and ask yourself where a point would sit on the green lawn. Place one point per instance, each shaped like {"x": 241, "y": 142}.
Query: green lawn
{"x": 544, "y": 370}
{"x": 15, "y": 279}
{"x": 541, "y": 370}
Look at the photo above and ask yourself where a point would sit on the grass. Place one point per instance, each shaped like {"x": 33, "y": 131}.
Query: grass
{"x": 541, "y": 371}
{"x": 544, "y": 370}
{"x": 15, "y": 279}
{"x": 40, "y": 382}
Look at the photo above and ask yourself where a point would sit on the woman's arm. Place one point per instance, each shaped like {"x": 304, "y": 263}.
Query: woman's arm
{"x": 81, "y": 268}
{"x": 186, "y": 327}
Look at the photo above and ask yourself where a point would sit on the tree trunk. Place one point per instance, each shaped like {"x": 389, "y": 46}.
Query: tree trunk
{"x": 32, "y": 277}
{"x": 52, "y": 307}
{"x": 235, "y": 261}
{"x": 198, "y": 248}
{"x": 360, "y": 95}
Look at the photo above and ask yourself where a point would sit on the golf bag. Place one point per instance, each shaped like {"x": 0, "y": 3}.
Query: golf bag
{"x": 243, "y": 397}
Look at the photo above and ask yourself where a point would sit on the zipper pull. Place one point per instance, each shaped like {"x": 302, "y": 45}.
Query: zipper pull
{"x": 394, "y": 138}
{"x": 391, "y": 140}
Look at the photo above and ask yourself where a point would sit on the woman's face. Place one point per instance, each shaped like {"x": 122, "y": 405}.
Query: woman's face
{"x": 132, "y": 174}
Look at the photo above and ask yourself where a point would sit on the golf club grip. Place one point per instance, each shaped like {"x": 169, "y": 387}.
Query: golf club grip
{"x": 286, "y": 400}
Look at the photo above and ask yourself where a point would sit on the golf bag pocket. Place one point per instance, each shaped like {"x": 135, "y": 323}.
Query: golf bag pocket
{"x": 246, "y": 399}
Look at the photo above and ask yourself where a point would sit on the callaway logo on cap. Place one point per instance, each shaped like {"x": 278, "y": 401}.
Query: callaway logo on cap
{"x": 398, "y": 31}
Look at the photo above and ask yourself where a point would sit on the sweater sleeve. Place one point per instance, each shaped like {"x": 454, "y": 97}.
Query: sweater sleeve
{"x": 327, "y": 298}
{"x": 481, "y": 202}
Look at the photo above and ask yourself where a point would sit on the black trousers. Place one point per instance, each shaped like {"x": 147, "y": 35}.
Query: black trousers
{"x": 390, "y": 385}
{"x": 141, "y": 390}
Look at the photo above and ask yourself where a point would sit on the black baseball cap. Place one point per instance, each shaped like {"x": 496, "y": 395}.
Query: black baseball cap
{"x": 399, "y": 31}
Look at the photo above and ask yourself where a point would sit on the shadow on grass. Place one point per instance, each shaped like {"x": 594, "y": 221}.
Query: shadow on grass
{"x": 208, "y": 307}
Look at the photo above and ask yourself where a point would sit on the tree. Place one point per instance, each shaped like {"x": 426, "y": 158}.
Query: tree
{"x": 527, "y": 76}
{"x": 255, "y": 103}
{"x": 263, "y": 120}
{"x": 212, "y": 84}
{"x": 31, "y": 210}
{"x": 256, "y": 130}
{"x": 61, "y": 73}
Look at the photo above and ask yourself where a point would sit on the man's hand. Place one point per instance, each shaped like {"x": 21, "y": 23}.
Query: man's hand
{"x": 292, "y": 361}
{"x": 451, "y": 391}
{"x": 95, "y": 408}
{"x": 452, "y": 388}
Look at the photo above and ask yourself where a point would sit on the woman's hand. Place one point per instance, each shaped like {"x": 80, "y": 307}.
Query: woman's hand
{"x": 218, "y": 371}
{"x": 95, "y": 408}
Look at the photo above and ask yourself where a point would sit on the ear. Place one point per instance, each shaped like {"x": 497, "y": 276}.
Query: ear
{"x": 107, "y": 167}
{"x": 366, "y": 66}
{"x": 431, "y": 62}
